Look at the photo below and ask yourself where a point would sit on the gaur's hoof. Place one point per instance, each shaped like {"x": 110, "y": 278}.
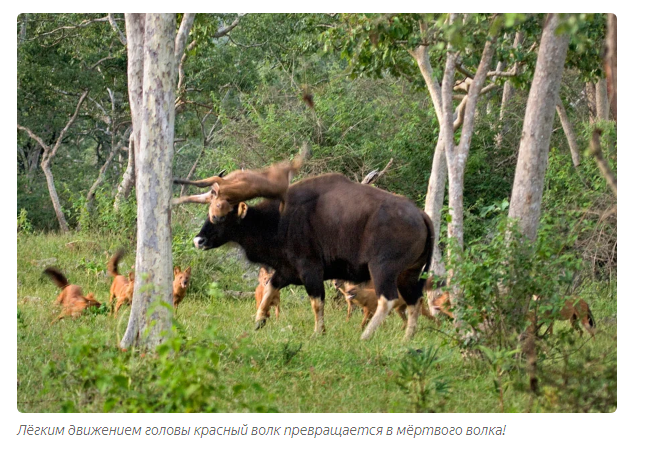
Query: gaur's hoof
{"x": 259, "y": 324}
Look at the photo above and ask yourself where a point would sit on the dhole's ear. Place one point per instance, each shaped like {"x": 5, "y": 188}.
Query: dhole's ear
{"x": 131, "y": 276}
{"x": 176, "y": 270}
{"x": 242, "y": 210}
{"x": 90, "y": 296}
{"x": 188, "y": 270}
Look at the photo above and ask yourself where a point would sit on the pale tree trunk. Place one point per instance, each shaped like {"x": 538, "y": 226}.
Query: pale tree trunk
{"x": 590, "y": 92}
{"x": 569, "y": 132}
{"x": 151, "y": 310}
{"x": 611, "y": 62}
{"x": 602, "y": 104}
{"x": 135, "y": 40}
{"x": 507, "y": 95}
{"x": 48, "y": 155}
{"x": 439, "y": 173}
{"x": 457, "y": 157}
{"x": 526, "y": 197}
{"x": 128, "y": 180}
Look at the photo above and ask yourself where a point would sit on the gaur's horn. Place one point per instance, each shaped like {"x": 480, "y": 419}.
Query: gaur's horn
{"x": 205, "y": 183}
{"x": 197, "y": 199}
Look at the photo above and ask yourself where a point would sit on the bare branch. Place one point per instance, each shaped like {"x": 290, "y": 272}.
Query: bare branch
{"x": 227, "y": 29}
{"x": 67, "y": 126}
{"x": 113, "y": 24}
{"x": 100, "y": 61}
{"x": 183, "y": 34}
{"x": 83, "y": 24}
{"x": 35, "y": 137}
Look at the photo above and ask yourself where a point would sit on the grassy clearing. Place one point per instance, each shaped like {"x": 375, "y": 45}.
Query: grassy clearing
{"x": 222, "y": 364}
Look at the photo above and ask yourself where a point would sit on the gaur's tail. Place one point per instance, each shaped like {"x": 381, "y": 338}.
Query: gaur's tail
{"x": 56, "y": 276}
{"x": 429, "y": 248}
{"x": 114, "y": 261}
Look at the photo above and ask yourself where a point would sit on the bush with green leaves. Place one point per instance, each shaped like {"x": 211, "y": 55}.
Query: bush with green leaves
{"x": 181, "y": 375}
{"x": 418, "y": 377}
{"x": 497, "y": 275}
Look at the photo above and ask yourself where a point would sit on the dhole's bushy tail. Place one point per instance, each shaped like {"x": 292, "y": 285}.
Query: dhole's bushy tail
{"x": 114, "y": 261}
{"x": 56, "y": 276}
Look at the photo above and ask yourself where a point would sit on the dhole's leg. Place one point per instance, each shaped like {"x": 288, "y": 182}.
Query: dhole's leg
{"x": 366, "y": 315}
{"x": 263, "y": 309}
{"x": 59, "y": 298}
{"x": 117, "y": 306}
{"x": 349, "y": 308}
{"x": 277, "y": 306}
{"x": 400, "y": 309}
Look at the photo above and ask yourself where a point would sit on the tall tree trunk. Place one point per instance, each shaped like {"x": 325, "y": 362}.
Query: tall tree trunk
{"x": 526, "y": 196}
{"x": 569, "y": 132}
{"x": 533, "y": 156}
{"x": 151, "y": 309}
{"x": 602, "y": 104}
{"x": 457, "y": 157}
{"x": 611, "y": 62}
{"x": 439, "y": 172}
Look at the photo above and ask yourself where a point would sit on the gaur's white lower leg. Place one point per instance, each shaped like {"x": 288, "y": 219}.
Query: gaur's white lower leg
{"x": 318, "y": 309}
{"x": 384, "y": 307}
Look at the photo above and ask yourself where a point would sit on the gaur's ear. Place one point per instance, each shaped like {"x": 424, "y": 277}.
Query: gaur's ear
{"x": 215, "y": 189}
{"x": 176, "y": 270}
{"x": 242, "y": 210}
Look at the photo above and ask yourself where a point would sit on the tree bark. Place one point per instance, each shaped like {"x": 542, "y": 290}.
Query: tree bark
{"x": 526, "y": 196}
{"x": 457, "y": 157}
{"x": 602, "y": 104}
{"x": 151, "y": 310}
{"x": 611, "y": 62}
{"x": 569, "y": 132}
{"x": 590, "y": 92}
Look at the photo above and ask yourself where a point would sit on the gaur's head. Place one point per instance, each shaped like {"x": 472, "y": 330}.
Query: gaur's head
{"x": 216, "y": 233}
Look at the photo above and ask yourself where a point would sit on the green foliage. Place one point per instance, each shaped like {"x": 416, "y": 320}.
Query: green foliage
{"x": 419, "y": 379}
{"x": 498, "y": 274}
{"x": 24, "y": 225}
{"x": 102, "y": 217}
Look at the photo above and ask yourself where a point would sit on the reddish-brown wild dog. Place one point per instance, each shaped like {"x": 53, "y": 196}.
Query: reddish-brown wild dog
{"x": 122, "y": 286}
{"x": 180, "y": 284}
{"x": 365, "y": 297}
{"x": 275, "y": 298}
{"x": 71, "y": 297}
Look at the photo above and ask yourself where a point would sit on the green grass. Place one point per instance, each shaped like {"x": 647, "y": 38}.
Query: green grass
{"x": 220, "y": 362}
